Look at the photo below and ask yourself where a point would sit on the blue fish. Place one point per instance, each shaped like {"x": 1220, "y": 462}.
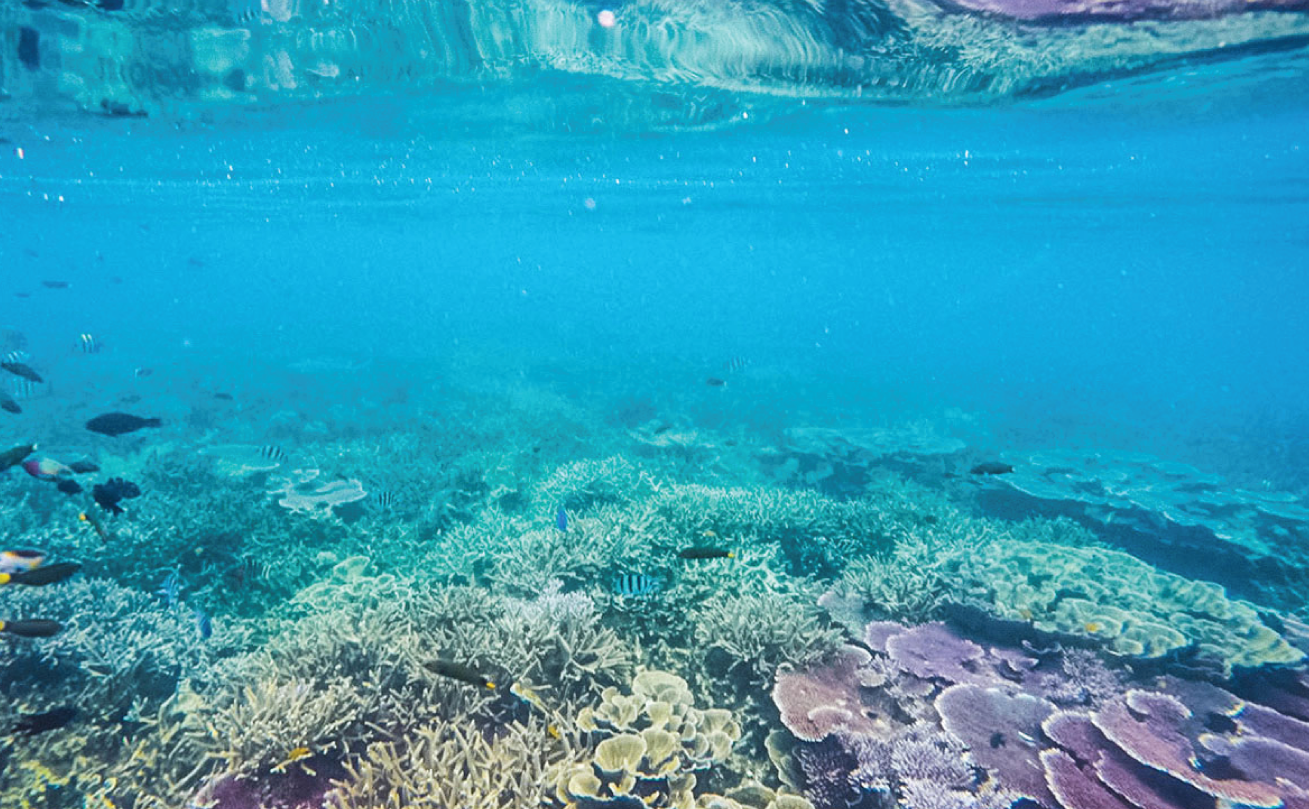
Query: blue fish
{"x": 561, "y": 519}
{"x": 203, "y": 624}
{"x": 170, "y": 589}
{"x": 636, "y": 584}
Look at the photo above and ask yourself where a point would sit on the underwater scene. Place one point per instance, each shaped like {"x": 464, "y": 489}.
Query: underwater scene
{"x": 668, "y": 404}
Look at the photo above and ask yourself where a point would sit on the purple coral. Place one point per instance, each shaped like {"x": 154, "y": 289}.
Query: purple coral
{"x": 932, "y": 651}
{"x": 303, "y": 787}
{"x": 826, "y": 769}
{"x": 823, "y": 699}
{"x": 1155, "y": 741}
{"x": 1002, "y": 730}
{"x": 937, "y": 721}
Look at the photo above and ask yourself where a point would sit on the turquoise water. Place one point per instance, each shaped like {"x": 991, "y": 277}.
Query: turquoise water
{"x": 693, "y": 305}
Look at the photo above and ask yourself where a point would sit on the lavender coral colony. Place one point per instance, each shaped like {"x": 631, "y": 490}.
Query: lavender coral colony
{"x": 651, "y": 614}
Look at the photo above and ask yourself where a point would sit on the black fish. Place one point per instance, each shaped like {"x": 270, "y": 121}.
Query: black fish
{"x": 40, "y": 576}
{"x": 56, "y": 284}
{"x": 116, "y": 424}
{"x": 68, "y": 486}
{"x": 32, "y": 724}
{"x": 715, "y": 382}
{"x": 22, "y": 369}
{"x": 108, "y": 494}
{"x": 31, "y": 628}
{"x": 705, "y": 553}
{"x": 8, "y": 404}
{"x": 223, "y": 397}
{"x": 83, "y": 467}
{"x": 15, "y": 456}
{"x": 991, "y": 468}
{"x": 455, "y": 671}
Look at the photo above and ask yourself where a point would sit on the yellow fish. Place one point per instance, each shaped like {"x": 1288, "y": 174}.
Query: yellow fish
{"x": 292, "y": 756}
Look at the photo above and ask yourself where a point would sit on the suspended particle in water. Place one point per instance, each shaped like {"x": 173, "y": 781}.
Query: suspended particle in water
{"x": 606, "y": 19}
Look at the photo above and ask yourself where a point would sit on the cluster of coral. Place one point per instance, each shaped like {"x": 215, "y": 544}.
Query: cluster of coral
{"x": 783, "y": 647}
{"x": 931, "y": 720}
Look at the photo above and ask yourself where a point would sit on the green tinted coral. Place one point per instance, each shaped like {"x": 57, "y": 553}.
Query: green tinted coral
{"x": 1112, "y": 597}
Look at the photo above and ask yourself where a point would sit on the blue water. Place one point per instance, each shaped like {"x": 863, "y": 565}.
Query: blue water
{"x": 1121, "y": 264}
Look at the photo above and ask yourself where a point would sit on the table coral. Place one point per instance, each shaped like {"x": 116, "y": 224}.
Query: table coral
{"x": 1116, "y": 600}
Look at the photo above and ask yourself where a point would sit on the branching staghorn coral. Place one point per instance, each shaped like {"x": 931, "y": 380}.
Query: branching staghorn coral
{"x": 355, "y": 671}
{"x": 760, "y": 632}
{"x": 581, "y": 486}
{"x": 119, "y": 657}
{"x": 455, "y": 765}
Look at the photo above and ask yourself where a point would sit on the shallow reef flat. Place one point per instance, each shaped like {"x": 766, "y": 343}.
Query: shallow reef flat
{"x": 530, "y": 605}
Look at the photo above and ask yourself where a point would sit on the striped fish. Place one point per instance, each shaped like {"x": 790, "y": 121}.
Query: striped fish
{"x": 272, "y": 452}
{"x": 735, "y": 364}
{"x": 246, "y": 12}
{"x": 87, "y": 344}
{"x": 385, "y": 499}
{"x": 23, "y": 389}
{"x": 637, "y": 585}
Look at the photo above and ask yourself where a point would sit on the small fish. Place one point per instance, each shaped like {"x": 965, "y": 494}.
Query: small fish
{"x": 46, "y": 469}
{"x": 83, "y": 467}
{"x": 561, "y": 519}
{"x": 32, "y": 724}
{"x": 735, "y": 364}
{"x": 384, "y": 500}
{"x": 87, "y": 344}
{"x": 31, "y": 628}
{"x": 292, "y": 756}
{"x": 41, "y": 576}
{"x": 705, "y": 552}
{"x": 15, "y": 456}
{"x": 170, "y": 589}
{"x": 142, "y": 372}
{"x": 8, "y": 404}
{"x": 116, "y": 424}
{"x": 23, "y": 370}
{"x": 272, "y": 452}
{"x": 69, "y": 486}
{"x": 56, "y": 284}
{"x": 204, "y": 625}
{"x": 16, "y": 356}
{"x": 22, "y": 389}
{"x": 715, "y": 382}
{"x": 1092, "y": 626}
{"x": 242, "y": 573}
{"x": 20, "y": 559}
{"x": 991, "y": 468}
{"x": 223, "y": 397}
{"x": 94, "y": 523}
{"x": 109, "y": 494}
{"x": 636, "y": 584}
{"x": 526, "y": 694}
{"x": 456, "y": 671}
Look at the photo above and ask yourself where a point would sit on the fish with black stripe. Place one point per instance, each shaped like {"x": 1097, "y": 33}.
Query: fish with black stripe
{"x": 636, "y": 585}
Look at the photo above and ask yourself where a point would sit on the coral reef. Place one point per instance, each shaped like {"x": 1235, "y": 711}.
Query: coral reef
{"x": 452, "y": 764}
{"x": 654, "y": 741}
{"x": 1154, "y": 503}
{"x": 932, "y": 719}
{"x": 1114, "y": 599}
{"x": 116, "y": 663}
